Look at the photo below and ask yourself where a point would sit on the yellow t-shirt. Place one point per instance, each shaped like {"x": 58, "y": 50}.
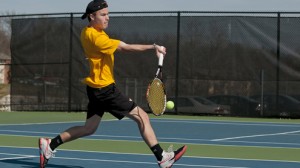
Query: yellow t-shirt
{"x": 99, "y": 50}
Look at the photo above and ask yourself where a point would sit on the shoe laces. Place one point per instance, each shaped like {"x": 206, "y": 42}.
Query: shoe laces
{"x": 170, "y": 149}
{"x": 51, "y": 153}
{"x": 168, "y": 153}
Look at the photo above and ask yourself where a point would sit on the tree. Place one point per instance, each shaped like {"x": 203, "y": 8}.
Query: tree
{"x": 5, "y": 35}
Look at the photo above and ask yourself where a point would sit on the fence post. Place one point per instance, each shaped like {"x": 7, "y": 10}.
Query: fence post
{"x": 262, "y": 103}
{"x": 278, "y": 59}
{"x": 177, "y": 61}
{"x": 70, "y": 63}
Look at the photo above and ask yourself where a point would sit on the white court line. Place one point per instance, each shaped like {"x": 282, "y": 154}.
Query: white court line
{"x": 148, "y": 163}
{"x": 13, "y": 158}
{"x": 226, "y": 122}
{"x": 259, "y": 135}
{"x": 265, "y": 143}
{"x": 20, "y": 156}
{"x": 105, "y": 152}
{"x": 113, "y": 161}
{"x": 138, "y": 139}
{"x": 109, "y": 136}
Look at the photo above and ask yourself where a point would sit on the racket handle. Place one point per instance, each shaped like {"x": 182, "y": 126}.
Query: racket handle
{"x": 160, "y": 59}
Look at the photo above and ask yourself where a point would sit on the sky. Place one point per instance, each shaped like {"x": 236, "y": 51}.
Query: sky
{"x": 68, "y": 6}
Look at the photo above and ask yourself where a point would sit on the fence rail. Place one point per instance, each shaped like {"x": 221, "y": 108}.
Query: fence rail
{"x": 209, "y": 54}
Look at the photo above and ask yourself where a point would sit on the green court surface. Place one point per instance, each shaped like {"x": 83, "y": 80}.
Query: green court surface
{"x": 138, "y": 146}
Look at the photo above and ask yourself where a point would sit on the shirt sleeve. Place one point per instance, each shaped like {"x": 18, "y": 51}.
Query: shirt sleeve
{"x": 106, "y": 45}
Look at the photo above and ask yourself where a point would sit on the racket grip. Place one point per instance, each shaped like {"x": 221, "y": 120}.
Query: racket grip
{"x": 160, "y": 59}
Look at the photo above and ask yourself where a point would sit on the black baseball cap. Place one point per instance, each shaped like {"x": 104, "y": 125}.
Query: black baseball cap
{"x": 94, "y": 6}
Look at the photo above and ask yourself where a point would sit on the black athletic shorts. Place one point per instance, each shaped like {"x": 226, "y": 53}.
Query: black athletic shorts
{"x": 108, "y": 99}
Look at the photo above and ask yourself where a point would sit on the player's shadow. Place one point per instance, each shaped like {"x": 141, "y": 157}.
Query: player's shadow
{"x": 29, "y": 163}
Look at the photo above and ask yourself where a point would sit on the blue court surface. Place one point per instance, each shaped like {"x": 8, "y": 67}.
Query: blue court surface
{"x": 172, "y": 131}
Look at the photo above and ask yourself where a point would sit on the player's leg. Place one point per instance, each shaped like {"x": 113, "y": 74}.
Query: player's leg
{"x": 47, "y": 146}
{"x": 165, "y": 158}
{"x": 143, "y": 122}
{"x": 76, "y": 132}
{"x": 94, "y": 115}
{"x": 121, "y": 105}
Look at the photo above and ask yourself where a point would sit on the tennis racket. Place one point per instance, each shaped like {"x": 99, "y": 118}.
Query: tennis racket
{"x": 156, "y": 94}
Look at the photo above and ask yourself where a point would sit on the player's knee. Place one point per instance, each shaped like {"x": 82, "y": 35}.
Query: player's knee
{"x": 90, "y": 131}
{"x": 142, "y": 113}
{"x": 144, "y": 117}
{"x": 139, "y": 115}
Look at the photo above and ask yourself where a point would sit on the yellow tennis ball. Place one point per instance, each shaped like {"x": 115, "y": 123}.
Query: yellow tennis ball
{"x": 170, "y": 105}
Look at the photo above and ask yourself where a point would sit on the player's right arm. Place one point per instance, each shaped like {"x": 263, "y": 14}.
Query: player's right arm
{"x": 124, "y": 47}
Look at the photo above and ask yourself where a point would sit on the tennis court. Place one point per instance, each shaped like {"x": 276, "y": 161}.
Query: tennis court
{"x": 218, "y": 142}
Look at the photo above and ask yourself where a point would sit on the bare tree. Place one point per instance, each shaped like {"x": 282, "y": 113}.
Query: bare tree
{"x": 5, "y": 33}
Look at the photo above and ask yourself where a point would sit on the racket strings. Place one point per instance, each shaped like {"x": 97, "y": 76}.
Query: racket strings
{"x": 156, "y": 97}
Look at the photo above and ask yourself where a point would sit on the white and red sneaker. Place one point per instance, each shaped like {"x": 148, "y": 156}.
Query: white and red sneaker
{"x": 45, "y": 151}
{"x": 170, "y": 157}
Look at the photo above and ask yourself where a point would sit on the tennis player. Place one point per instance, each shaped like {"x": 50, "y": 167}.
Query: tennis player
{"x": 102, "y": 92}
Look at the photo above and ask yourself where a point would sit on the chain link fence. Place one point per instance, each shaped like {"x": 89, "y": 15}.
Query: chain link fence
{"x": 233, "y": 59}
